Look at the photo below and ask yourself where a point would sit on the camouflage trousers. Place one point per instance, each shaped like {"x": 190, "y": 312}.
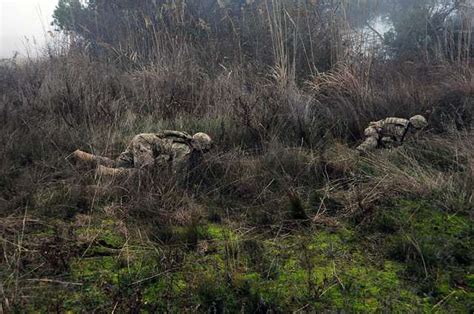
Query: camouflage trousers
{"x": 373, "y": 142}
{"x": 139, "y": 154}
{"x": 369, "y": 144}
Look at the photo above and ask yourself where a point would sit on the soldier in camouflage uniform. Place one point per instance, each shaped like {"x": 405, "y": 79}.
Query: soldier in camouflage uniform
{"x": 390, "y": 132}
{"x": 164, "y": 149}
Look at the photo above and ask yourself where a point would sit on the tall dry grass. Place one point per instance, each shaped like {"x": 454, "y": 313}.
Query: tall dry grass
{"x": 280, "y": 87}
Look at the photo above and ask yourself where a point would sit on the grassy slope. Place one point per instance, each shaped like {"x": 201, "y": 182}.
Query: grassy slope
{"x": 404, "y": 251}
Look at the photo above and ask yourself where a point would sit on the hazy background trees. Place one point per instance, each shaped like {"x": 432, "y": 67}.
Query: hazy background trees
{"x": 309, "y": 35}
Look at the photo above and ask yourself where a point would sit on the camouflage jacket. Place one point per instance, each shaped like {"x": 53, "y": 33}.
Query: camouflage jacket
{"x": 389, "y": 129}
{"x": 162, "y": 148}
{"x": 172, "y": 146}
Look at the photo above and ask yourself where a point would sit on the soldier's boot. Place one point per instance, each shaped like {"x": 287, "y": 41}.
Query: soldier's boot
{"x": 114, "y": 172}
{"x": 91, "y": 159}
{"x": 82, "y": 156}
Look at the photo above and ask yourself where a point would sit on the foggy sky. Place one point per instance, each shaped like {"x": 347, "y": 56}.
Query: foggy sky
{"x": 24, "y": 18}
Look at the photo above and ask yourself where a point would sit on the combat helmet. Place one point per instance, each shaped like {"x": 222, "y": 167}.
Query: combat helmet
{"x": 202, "y": 141}
{"x": 418, "y": 122}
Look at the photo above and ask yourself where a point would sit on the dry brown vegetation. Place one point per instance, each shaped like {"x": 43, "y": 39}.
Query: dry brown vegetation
{"x": 286, "y": 94}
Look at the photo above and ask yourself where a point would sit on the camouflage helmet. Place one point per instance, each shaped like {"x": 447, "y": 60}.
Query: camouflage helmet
{"x": 418, "y": 122}
{"x": 202, "y": 141}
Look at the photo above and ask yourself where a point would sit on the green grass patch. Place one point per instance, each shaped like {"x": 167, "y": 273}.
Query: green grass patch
{"x": 435, "y": 247}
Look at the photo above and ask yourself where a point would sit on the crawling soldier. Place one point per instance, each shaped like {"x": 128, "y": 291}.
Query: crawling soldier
{"x": 165, "y": 148}
{"x": 390, "y": 132}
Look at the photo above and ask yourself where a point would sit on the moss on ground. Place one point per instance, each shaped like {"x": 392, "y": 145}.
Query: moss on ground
{"x": 312, "y": 270}
{"x": 436, "y": 248}
{"x": 414, "y": 257}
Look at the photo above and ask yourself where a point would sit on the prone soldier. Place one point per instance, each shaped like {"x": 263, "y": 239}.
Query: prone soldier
{"x": 146, "y": 150}
{"x": 390, "y": 132}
